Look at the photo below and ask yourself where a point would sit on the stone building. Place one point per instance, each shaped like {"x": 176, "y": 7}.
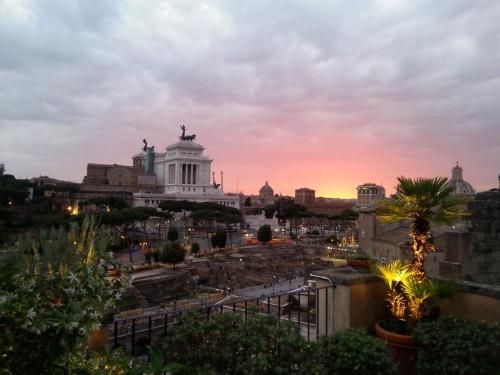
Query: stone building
{"x": 457, "y": 182}
{"x": 369, "y": 193}
{"x": 266, "y": 195}
{"x": 330, "y": 206}
{"x": 305, "y": 196}
{"x": 116, "y": 180}
{"x": 484, "y": 259}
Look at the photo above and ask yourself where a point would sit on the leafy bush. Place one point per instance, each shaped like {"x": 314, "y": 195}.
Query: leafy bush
{"x": 457, "y": 346}
{"x": 54, "y": 292}
{"x": 315, "y": 232}
{"x": 172, "y": 234}
{"x": 229, "y": 344}
{"x": 172, "y": 253}
{"x": 360, "y": 256}
{"x": 265, "y": 233}
{"x": 195, "y": 248}
{"x": 354, "y": 352}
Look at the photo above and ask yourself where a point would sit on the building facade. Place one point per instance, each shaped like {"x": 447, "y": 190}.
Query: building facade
{"x": 182, "y": 172}
{"x": 369, "y": 193}
{"x": 305, "y": 196}
{"x": 457, "y": 182}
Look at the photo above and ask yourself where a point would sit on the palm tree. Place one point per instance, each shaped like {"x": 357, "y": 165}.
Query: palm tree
{"x": 423, "y": 201}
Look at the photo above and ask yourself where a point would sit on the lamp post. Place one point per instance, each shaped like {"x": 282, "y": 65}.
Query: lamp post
{"x": 274, "y": 281}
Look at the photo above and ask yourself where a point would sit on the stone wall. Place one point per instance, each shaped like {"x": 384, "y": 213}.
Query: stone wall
{"x": 484, "y": 262}
{"x": 475, "y": 301}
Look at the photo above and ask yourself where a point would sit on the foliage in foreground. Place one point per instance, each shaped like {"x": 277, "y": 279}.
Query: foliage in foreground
{"x": 227, "y": 344}
{"x": 354, "y": 352}
{"x": 410, "y": 299}
{"x": 454, "y": 346}
{"x": 262, "y": 344}
{"x": 53, "y": 293}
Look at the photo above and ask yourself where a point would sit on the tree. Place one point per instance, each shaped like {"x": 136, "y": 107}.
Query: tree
{"x": 207, "y": 217}
{"x": 248, "y": 202}
{"x": 423, "y": 201}
{"x": 195, "y": 248}
{"x": 219, "y": 239}
{"x": 112, "y": 202}
{"x": 230, "y": 218}
{"x": 286, "y": 209}
{"x": 173, "y": 253}
{"x": 214, "y": 241}
{"x": 13, "y": 191}
{"x": 172, "y": 234}
{"x": 265, "y": 233}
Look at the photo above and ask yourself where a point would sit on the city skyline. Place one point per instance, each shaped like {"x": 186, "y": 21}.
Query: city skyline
{"x": 320, "y": 95}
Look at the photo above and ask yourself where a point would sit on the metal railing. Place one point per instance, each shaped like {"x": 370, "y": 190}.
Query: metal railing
{"x": 309, "y": 308}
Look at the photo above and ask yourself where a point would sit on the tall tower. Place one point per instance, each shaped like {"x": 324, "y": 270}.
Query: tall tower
{"x": 457, "y": 182}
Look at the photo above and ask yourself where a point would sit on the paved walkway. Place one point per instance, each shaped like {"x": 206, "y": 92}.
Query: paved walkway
{"x": 263, "y": 291}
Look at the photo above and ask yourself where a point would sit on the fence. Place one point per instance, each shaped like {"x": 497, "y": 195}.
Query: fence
{"x": 307, "y": 307}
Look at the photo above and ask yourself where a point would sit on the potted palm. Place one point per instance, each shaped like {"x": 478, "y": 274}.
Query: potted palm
{"x": 410, "y": 300}
{"x": 411, "y": 295}
{"x": 424, "y": 201}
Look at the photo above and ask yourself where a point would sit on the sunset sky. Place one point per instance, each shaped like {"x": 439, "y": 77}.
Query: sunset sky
{"x": 318, "y": 94}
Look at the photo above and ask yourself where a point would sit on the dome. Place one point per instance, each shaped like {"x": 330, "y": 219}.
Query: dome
{"x": 457, "y": 182}
{"x": 266, "y": 189}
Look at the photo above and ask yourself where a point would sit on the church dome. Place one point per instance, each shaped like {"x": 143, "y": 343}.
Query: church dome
{"x": 266, "y": 189}
{"x": 457, "y": 182}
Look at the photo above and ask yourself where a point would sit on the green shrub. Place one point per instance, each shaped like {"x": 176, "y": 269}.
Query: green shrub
{"x": 458, "y": 346}
{"x": 315, "y": 232}
{"x": 354, "y": 352}
{"x": 229, "y": 344}
{"x": 265, "y": 234}
{"x": 195, "y": 248}
{"x": 54, "y": 291}
{"x": 173, "y": 253}
{"x": 172, "y": 234}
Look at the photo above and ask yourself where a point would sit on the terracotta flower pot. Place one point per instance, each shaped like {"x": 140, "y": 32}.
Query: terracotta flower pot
{"x": 403, "y": 347}
{"x": 99, "y": 338}
{"x": 359, "y": 263}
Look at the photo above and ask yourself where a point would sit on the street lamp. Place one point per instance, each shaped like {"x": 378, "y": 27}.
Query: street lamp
{"x": 274, "y": 281}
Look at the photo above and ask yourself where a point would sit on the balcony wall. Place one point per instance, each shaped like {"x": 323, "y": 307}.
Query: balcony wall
{"x": 358, "y": 300}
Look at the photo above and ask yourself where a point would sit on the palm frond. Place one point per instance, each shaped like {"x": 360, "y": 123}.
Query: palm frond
{"x": 394, "y": 272}
{"x": 422, "y": 198}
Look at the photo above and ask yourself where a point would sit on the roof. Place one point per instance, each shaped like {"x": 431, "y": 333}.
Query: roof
{"x": 186, "y": 145}
{"x": 266, "y": 189}
{"x": 457, "y": 182}
{"x": 461, "y": 187}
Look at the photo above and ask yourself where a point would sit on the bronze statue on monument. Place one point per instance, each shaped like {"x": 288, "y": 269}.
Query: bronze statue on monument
{"x": 185, "y": 137}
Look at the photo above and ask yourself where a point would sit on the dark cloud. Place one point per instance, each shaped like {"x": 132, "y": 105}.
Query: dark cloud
{"x": 420, "y": 78}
